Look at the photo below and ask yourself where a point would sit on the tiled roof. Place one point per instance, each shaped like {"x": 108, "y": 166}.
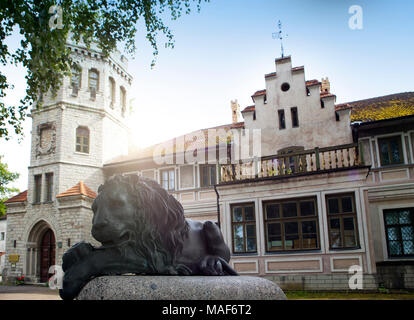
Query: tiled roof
{"x": 272, "y": 74}
{"x": 312, "y": 82}
{"x": 249, "y": 108}
{"x": 327, "y": 94}
{"x": 21, "y": 197}
{"x": 259, "y": 93}
{"x": 79, "y": 189}
{"x": 382, "y": 108}
{"x": 237, "y": 125}
{"x": 298, "y": 68}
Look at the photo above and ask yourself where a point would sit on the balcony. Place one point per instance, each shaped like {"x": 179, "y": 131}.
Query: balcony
{"x": 318, "y": 160}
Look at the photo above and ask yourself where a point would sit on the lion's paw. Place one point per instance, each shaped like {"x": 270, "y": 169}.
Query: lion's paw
{"x": 211, "y": 266}
{"x": 75, "y": 254}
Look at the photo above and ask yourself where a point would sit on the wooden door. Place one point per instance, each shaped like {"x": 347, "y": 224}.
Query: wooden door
{"x": 47, "y": 254}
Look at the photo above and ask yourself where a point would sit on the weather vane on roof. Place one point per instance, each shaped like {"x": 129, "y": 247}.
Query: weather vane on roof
{"x": 279, "y": 35}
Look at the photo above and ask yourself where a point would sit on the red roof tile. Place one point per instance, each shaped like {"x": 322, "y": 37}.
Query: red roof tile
{"x": 312, "y": 82}
{"x": 79, "y": 189}
{"x": 21, "y": 197}
{"x": 249, "y": 108}
{"x": 298, "y": 68}
{"x": 238, "y": 125}
{"x": 272, "y": 74}
{"x": 259, "y": 93}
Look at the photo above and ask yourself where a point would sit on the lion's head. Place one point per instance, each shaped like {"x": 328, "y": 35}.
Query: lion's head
{"x": 136, "y": 212}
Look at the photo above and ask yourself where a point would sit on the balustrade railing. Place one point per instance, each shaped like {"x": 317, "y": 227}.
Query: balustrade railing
{"x": 306, "y": 161}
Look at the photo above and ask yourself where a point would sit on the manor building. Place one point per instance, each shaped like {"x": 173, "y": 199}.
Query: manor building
{"x": 323, "y": 187}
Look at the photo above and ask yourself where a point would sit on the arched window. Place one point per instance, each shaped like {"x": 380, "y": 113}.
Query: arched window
{"x": 122, "y": 97}
{"x": 93, "y": 82}
{"x": 82, "y": 139}
{"x": 112, "y": 91}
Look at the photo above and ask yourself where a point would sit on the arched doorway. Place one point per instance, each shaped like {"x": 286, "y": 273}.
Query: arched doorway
{"x": 47, "y": 254}
{"x": 41, "y": 252}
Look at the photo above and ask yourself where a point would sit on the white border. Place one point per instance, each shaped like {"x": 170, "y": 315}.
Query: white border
{"x": 256, "y": 262}
{"x": 332, "y": 258}
{"x": 319, "y": 259}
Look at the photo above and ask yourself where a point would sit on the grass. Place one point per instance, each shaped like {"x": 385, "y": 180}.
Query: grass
{"x": 330, "y": 295}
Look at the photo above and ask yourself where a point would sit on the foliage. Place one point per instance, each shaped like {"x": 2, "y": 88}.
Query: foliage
{"x": 44, "y": 54}
{"x": 5, "y": 178}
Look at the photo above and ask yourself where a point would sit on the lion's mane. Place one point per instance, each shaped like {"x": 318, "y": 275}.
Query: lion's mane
{"x": 160, "y": 228}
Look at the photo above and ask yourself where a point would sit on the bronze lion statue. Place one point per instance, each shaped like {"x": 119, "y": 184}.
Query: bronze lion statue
{"x": 143, "y": 230}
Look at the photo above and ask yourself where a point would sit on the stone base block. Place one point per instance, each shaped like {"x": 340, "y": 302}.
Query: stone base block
{"x": 129, "y": 287}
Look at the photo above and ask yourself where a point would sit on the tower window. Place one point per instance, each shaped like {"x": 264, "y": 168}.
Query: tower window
{"x": 93, "y": 82}
{"x": 37, "y": 188}
{"x": 322, "y": 104}
{"x": 82, "y": 139}
{"x": 122, "y": 98}
{"x": 282, "y": 124}
{"x": 75, "y": 79}
{"x": 112, "y": 91}
{"x": 295, "y": 120}
{"x": 49, "y": 186}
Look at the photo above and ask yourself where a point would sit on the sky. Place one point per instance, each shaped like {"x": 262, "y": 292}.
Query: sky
{"x": 223, "y": 52}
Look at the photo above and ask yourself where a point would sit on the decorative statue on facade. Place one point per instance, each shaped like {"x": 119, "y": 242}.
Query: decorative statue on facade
{"x": 143, "y": 230}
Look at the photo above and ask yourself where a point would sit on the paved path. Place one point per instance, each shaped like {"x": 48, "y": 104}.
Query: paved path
{"x": 28, "y": 292}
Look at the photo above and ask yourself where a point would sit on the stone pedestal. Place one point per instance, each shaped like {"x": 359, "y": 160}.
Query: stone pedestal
{"x": 129, "y": 287}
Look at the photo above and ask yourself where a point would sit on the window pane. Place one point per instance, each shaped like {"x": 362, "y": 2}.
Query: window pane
{"x": 250, "y": 231}
{"x": 248, "y": 213}
{"x": 393, "y": 234}
{"x": 395, "y": 248}
{"x": 251, "y": 244}
{"x": 335, "y": 233}
{"x": 237, "y": 214}
{"x": 408, "y": 247}
{"x": 212, "y": 175}
{"x": 251, "y": 237}
{"x": 238, "y": 238}
{"x": 272, "y": 211}
{"x": 307, "y": 208}
{"x": 383, "y": 146}
{"x": 395, "y": 150}
{"x": 309, "y": 234}
{"x": 274, "y": 238}
{"x": 407, "y": 233}
{"x": 78, "y": 148}
{"x": 171, "y": 179}
{"x": 333, "y": 205}
{"x": 405, "y": 217}
{"x": 291, "y": 235}
{"x": 349, "y": 233}
{"x": 347, "y": 204}
{"x": 289, "y": 209}
{"x": 391, "y": 218}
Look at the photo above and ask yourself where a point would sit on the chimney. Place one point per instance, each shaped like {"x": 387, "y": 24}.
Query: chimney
{"x": 235, "y": 109}
{"x": 326, "y": 85}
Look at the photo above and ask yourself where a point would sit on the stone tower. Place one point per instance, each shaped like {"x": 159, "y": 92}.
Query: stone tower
{"x": 73, "y": 135}
{"x": 235, "y": 110}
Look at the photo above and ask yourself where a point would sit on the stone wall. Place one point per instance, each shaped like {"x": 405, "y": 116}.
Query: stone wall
{"x": 321, "y": 282}
{"x": 396, "y": 275}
